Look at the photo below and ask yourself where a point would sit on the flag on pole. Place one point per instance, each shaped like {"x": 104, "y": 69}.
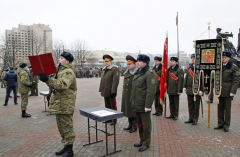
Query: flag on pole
{"x": 163, "y": 83}
{"x": 177, "y": 20}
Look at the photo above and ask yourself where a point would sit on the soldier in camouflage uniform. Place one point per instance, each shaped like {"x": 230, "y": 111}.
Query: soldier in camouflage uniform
{"x": 175, "y": 80}
{"x": 62, "y": 101}
{"x": 34, "y": 82}
{"x": 142, "y": 97}
{"x": 24, "y": 86}
{"x": 230, "y": 80}
{"x": 4, "y": 83}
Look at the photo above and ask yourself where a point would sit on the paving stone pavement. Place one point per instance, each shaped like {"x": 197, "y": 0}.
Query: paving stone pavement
{"x": 38, "y": 136}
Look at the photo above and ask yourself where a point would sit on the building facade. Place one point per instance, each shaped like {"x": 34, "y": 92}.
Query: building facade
{"x": 28, "y": 40}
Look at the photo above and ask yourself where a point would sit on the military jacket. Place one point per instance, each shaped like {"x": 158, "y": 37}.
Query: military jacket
{"x": 109, "y": 80}
{"x": 174, "y": 87}
{"x": 143, "y": 89}
{"x": 158, "y": 72}
{"x": 23, "y": 81}
{"x": 188, "y": 81}
{"x": 63, "y": 100}
{"x": 33, "y": 79}
{"x": 126, "y": 93}
{"x": 230, "y": 79}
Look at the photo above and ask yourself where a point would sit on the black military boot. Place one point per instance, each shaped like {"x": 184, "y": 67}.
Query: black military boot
{"x": 128, "y": 128}
{"x": 25, "y": 115}
{"x": 60, "y": 152}
{"x": 68, "y": 152}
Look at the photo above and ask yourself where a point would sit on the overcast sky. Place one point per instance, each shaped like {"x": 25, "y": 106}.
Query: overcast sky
{"x": 126, "y": 25}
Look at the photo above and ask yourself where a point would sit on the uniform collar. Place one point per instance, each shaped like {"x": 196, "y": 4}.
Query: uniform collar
{"x": 109, "y": 67}
{"x": 175, "y": 68}
{"x": 229, "y": 64}
{"x": 143, "y": 70}
{"x": 159, "y": 67}
{"x": 132, "y": 71}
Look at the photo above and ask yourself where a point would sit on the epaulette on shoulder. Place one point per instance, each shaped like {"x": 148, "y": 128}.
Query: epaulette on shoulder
{"x": 115, "y": 66}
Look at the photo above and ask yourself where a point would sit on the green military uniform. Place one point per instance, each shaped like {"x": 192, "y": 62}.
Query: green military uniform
{"x": 142, "y": 96}
{"x": 62, "y": 101}
{"x": 158, "y": 106}
{"x": 193, "y": 106}
{"x": 230, "y": 80}
{"x": 34, "y": 82}
{"x": 4, "y": 83}
{"x": 174, "y": 88}
{"x": 24, "y": 87}
{"x": 126, "y": 94}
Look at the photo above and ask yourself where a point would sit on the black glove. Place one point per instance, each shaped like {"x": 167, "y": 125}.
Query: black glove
{"x": 43, "y": 77}
{"x": 113, "y": 95}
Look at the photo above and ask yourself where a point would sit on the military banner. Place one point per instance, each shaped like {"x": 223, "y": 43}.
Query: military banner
{"x": 208, "y": 66}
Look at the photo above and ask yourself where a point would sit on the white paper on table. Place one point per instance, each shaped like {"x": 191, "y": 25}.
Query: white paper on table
{"x": 102, "y": 113}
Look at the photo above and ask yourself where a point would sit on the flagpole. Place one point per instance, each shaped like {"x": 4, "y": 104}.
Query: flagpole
{"x": 177, "y": 37}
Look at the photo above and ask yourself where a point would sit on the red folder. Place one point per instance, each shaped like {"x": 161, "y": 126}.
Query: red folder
{"x": 43, "y": 63}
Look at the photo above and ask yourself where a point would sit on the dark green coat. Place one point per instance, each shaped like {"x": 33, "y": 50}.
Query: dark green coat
{"x": 230, "y": 79}
{"x": 188, "y": 81}
{"x": 33, "y": 79}
{"x": 143, "y": 89}
{"x": 174, "y": 87}
{"x": 109, "y": 80}
{"x": 158, "y": 71}
{"x": 126, "y": 94}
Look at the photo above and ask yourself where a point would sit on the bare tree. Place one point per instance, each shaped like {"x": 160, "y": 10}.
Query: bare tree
{"x": 36, "y": 43}
{"x": 81, "y": 52}
{"x": 56, "y": 50}
{"x": 10, "y": 49}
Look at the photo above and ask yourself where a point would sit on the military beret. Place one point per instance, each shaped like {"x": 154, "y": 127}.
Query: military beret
{"x": 227, "y": 53}
{"x": 15, "y": 68}
{"x": 193, "y": 55}
{"x": 22, "y": 65}
{"x": 67, "y": 55}
{"x": 144, "y": 58}
{"x": 29, "y": 66}
{"x": 158, "y": 58}
{"x": 174, "y": 58}
{"x": 107, "y": 57}
{"x": 130, "y": 59}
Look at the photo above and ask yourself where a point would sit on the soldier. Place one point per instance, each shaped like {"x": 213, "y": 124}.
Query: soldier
{"x": 157, "y": 69}
{"x": 230, "y": 80}
{"x": 174, "y": 87}
{"x": 4, "y": 83}
{"x": 126, "y": 94}
{"x": 109, "y": 83}
{"x": 34, "y": 82}
{"x": 193, "y": 106}
{"x": 142, "y": 96}
{"x": 62, "y": 101}
{"x": 24, "y": 87}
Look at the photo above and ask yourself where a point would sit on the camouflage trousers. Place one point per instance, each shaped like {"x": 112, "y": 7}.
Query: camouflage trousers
{"x": 24, "y": 101}
{"x": 65, "y": 127}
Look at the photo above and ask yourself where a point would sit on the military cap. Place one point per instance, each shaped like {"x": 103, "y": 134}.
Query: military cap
{"x": 130, "y": 59}
{"x": 22, "y": 65}
{"x": 158, "y": 58}
{"x": 227, "y": 53}
{"x": 67, "y": 55}
{"x": 29, "y": 66}
{"x": 144, "y": 58}
{"x": 174, "y": 58}
{"x": 107, "y": 57}
{"x": 193, "y": 55}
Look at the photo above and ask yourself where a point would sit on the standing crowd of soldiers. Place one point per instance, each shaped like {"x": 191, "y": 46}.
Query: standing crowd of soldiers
{"x": 141, "y": 87}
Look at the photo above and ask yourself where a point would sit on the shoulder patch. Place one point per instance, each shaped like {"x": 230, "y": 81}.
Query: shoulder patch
{"x": 153, "y": 81}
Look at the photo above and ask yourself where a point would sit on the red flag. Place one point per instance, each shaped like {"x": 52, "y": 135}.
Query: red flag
{"x": 163, "y": 83}
{"x": 176, "y": 20}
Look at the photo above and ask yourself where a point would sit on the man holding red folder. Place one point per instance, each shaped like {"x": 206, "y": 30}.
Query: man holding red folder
{"x": 62, "y": 101}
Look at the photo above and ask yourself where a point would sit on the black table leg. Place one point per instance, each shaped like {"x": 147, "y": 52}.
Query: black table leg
{"x": 89, "y": 140}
